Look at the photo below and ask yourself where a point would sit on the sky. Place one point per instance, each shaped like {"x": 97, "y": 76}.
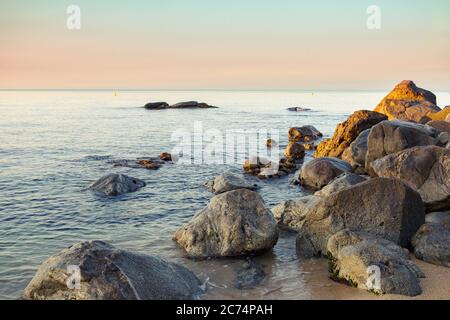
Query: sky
{"x": 218, "y": 44}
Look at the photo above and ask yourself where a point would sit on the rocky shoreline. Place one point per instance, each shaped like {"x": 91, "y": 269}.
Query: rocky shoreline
{"x": 379, "y": 193}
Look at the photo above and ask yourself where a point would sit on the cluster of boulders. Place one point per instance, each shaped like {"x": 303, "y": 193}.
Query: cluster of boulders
{"x": 117, "y": 183}
{"x": 300, "y": 139}
{"x": 379, "y": 189}
{"x": 375, "y": 181}
{"x": 180, "y": 105}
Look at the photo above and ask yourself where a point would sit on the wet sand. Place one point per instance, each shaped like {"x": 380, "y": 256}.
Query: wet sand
{"x": 289, "y": 278}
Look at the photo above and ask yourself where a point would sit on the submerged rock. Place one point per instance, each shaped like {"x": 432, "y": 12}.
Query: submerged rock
{"x": 319, "y": 172}
{"x": 425, "y": 169}
{"x": 116, "y": 184}
{"x": 234, "y": 223}
{"x": 347, "y": 132}
{"x": 266, "y": 169}
{"x": 355, "y": 257}
{"x": 390, "y": 137}
{"x": 228, "y": 182}
{"x": 432, "y": 243}
{"x": 142, "y": 163}
{"x": 408, "y": 102}
{"x": 386, "y": 208}
{"x": 108, "y": 273}
{"x": 249, "y": 275}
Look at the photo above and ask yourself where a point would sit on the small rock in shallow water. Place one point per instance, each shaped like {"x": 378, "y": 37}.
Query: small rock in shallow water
{"x": 116, "y": 184}
{"x": 249, "y": 274}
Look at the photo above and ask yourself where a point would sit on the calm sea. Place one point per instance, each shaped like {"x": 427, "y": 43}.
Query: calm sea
{"x": 53, "y": 144}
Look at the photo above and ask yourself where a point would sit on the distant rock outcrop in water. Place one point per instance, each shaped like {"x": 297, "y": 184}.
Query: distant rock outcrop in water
{"x": 116, "y": 184}
{"x": 180, "y": 105}
{"x": 408, "y": 102}
{"x": 108, "y": 273}
{"x": 298, "y": 109}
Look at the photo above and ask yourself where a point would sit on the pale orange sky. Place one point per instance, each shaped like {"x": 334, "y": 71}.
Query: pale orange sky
{"x": 206, "y": 45}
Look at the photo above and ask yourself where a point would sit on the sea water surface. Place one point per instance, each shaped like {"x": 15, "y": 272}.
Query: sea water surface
{"x": 53, "y": 144}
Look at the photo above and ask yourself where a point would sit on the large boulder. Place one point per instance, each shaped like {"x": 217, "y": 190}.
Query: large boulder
{"x": 425, "y": 169}
{"x": 358, "y": 259}
{"x": 432, "y": 243}
{"x": 356, "y": 153}
{"x": 234, "y": 223}
{"x": 319, "y": 172}
{"x": 304, "y": 134}
{"x": 393, "y": 136}
{"x": 442, "y": 115}
{"x": 108, "y": 273}
{"x": 228, "y": 182}
{"x": 408, "y": 102}
{"x": 291, "y": 214}
{"x": 347, "y": 132}
{"x": 386, "y": 208}
{"x": 116, "y": 184}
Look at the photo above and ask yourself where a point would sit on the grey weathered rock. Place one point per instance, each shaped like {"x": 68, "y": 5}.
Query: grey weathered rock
{"x": 386, "y": 208}
{"x": 116, "y": 184}
{"x": 432, "y": 243}
{"x": 234, "y": 223}
{"x": 228, "y": 182}
{"x": 292, "y": 213}
{"x": 319, "y": 172}
{"x": 356, "y": 153}
{"x": 108, "y": 273}
{"x": 425, "y": 169}
{"x": 351, "y": 254}
{"x": 343, "y": 181}
{"x": 393, "y": 136}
